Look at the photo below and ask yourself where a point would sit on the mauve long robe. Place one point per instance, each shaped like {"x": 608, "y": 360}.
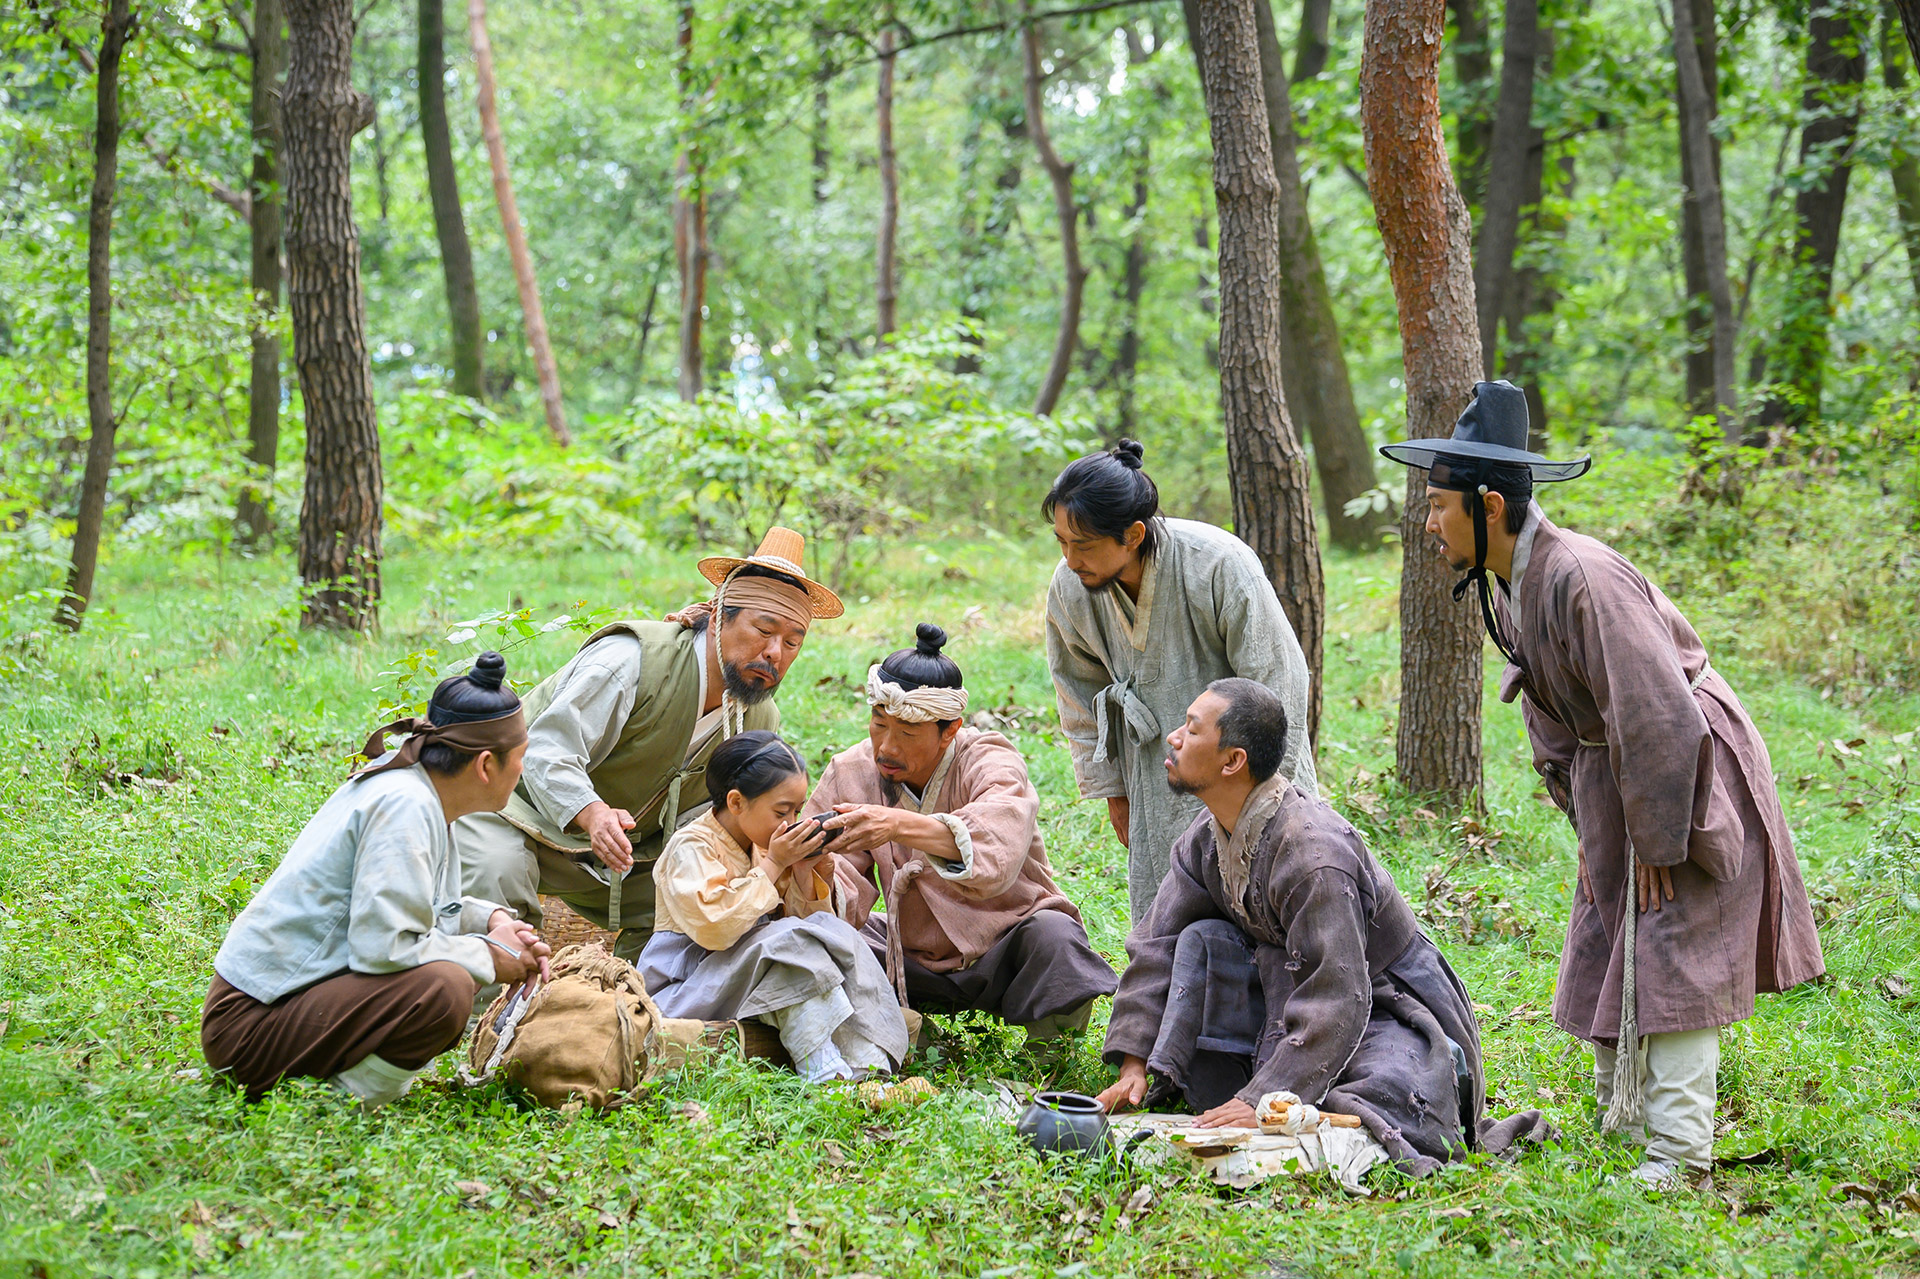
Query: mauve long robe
{"x": 1359, "y": 1003}
{"x": 1629, "y": 748}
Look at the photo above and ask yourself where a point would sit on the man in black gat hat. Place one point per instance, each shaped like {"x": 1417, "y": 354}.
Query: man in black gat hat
{"x": 1689, "y": 899}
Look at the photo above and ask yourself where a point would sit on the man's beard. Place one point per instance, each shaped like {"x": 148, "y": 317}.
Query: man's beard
{"x": 1176, "y": 783}
{"x": 1100, "y": 584}
{"x": 733, "y": 677}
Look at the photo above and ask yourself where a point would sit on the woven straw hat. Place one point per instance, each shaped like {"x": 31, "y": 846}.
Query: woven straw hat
{"x": 780, "y": 549}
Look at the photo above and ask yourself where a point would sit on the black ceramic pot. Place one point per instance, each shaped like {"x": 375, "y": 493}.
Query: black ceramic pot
{"x": 1064, "y": 1122}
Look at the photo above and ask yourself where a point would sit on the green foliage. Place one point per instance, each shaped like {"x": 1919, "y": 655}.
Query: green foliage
{"x": 894, "y": 440}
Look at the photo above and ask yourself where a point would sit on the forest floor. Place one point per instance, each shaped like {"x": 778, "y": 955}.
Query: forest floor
{"x": 153, "y": 771}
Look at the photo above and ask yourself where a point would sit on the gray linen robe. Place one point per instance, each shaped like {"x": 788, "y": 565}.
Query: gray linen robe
{"x": 1638, "y": 737}
{"x": 1359, "y": 1004}
{"x": 1125, "y": 675}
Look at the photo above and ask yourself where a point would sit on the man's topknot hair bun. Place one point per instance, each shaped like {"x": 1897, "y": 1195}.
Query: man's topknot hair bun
{"x": 489, "y": 670}
{"x": 1130, "y": 454}
{"x": 923, "y": 665}
{"x": 482, "y": 693}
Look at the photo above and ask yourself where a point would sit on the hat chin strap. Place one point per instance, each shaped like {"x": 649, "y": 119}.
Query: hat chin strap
{"x": 1477, "y": 575}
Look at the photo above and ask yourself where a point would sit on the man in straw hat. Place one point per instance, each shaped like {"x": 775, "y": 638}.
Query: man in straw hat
{"x": 619, "y": 739}
{"x": 942, "y": 821}
{"x": 1688, "y": 898}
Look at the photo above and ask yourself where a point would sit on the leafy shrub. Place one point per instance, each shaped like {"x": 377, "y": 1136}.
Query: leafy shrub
{"x": 895, "y": 440}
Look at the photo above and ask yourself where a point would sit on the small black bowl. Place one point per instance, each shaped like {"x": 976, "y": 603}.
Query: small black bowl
{"x": 1064, "y": 1123}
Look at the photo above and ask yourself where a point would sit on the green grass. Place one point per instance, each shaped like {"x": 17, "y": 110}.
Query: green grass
{"x": 114, "y": 896}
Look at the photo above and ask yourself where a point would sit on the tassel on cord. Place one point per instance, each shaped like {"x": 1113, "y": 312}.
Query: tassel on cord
{"x": 1628, "y": 1104}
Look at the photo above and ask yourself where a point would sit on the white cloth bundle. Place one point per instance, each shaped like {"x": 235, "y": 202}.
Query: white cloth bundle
{"x": 921, "y": 706}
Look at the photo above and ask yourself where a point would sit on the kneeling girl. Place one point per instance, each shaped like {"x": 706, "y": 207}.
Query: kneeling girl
{"x": 750, "y": 922}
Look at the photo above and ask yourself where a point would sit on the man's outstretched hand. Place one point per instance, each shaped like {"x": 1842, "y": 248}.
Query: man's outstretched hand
{"x": 1230, "y": 1114}
{"x": 1127, "y": 1091}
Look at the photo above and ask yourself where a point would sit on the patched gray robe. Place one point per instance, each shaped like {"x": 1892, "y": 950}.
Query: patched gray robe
{"x": 1638, "y": 737}
{"x": 1125, "y": 674}
{"x": 1361, "y": 1011}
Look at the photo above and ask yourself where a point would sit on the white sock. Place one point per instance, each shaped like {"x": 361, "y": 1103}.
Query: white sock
{"x": 376, "y": 1081}
{"x": 822, "y": 1064}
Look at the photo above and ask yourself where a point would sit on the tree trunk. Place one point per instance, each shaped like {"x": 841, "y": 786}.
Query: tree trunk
{"x": 1314, "y": 368}
{"x": 1830, "y": 105}
{"x": 254, "y": 515}
{"x": 516, "y": 234}
{"x": 1902, "y": 166}
{"x": 340, "y": 514}
{"x": 1311, "y": 48}
{"x": 1693, "y": 247}
{"x": 886, "y": 296}
{"x": 115, "y": 28}
{"x": 1535, "y": 293}
{"x": 1133, "y": 267}
{"x": 689, "y": 222}
{"x": 449, "y": 225}
{"x": 821, "y": 131}
{"x": 1060, "y": 174}
{"x": 1425, "y": 228}
{"x": 1506, "y": 178}
{"x": 1909, "y": 11}
{"x": 1473, "y": 68}
{"x": 1272, "y": 510}
{"x": 1696, "y": 124}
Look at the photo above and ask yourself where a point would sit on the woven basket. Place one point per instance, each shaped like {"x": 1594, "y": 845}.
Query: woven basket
{"x": 563, "y": 926}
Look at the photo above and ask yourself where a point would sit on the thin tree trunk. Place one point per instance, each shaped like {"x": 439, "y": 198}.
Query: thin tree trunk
{"x": 1909, "y": 11}
{"x": 647, "y": 324}
{"x": 689, "y": 223}
{"x": 1696, "y": 124}
{"x": 115, "y": 28}
{"x": 1319, "y": 392}
{"x": 516, "y": 233}
{"x": 1902, "y": 165}
{"x": 822, "y": 158}
{"x": 1311, "y": 48}
{"x": 1133, "y": 268}
{"x": 1206, "y": 295}
{"x": 886, "y": 296}
{"x": 1272, "y": 510}
{"x": 1428, "y": 239}
{"x": 1530, "y": 303}
{"x": 1506, "y": 177}
{"x": 1693, "y": 245}
{"x": 1473, "y": 68}
{"x": 1060, "y": 174}
{"x": 449, "y": 223}
{"x": 1830, "y": 105}
{"x": 254, "y": 515}
{"x": 340, "y": 517}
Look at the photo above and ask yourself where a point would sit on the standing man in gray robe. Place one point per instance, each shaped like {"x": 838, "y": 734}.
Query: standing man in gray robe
{"x": 1688, "y": 899}
{"x": 1142, "y": 614}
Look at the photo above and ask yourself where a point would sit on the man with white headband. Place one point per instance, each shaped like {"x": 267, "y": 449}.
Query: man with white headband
{"x": 619, "y": 739}
{"x": 941, "y": 822}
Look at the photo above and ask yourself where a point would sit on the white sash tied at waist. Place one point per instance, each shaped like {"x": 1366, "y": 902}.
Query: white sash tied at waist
{"x": 1133, "y": 712}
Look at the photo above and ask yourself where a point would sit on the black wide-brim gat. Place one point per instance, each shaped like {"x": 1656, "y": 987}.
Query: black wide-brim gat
{"x": 1421, "y": 453}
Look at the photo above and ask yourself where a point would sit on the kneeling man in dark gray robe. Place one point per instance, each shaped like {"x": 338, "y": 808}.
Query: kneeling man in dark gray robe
{"x": 1279, "y": 955}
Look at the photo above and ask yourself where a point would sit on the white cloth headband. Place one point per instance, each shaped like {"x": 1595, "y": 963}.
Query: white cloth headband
{"x": 921, "y": 706}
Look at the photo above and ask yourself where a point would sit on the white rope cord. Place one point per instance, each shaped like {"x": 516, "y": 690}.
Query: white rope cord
{"x": 1627, "y": 1105}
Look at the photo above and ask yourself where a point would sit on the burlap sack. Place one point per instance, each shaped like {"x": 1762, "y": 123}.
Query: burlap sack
{"x": 591, "y": 1035}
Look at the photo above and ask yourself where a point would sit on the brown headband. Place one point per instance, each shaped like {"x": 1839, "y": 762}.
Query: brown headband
{"x": 499, "y": 735}
{"x": 787, "y": 602}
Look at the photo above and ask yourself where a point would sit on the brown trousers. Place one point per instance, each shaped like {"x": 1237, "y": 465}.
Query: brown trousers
{"x": 408, "y": 1018}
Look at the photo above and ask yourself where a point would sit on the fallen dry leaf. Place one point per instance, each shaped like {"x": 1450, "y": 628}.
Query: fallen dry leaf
{"x": 1457, "y": 1214}
{"x": 473, "y": 1189}
{"x": 694, "y": 1113}
{"x": 831, "y": 1152}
